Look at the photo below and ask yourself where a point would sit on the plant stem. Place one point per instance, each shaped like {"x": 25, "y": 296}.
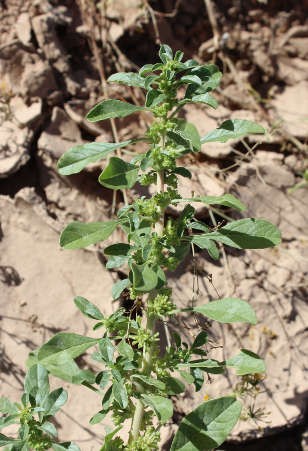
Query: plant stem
{"x": 146, "y": 368}
{"x": 159, "y": 226}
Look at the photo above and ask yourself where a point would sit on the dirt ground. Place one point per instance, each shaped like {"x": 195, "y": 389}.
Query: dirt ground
{"x": 54, "y": 59}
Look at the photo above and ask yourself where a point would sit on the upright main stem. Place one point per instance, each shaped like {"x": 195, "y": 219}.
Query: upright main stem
{"x": 146, "y": 367}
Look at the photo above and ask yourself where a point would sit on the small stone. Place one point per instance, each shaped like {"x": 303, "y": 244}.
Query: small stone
{"x": 24, "y": 114}
{"x": 292, "y": 107}
{"x": 61, "y": 135}
{"x": 37, "y": 80}
{"x": 14, "y": 148}
{"x": 23, "y": 29}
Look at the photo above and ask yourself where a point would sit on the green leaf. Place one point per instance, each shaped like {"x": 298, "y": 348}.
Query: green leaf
{"x": 125, "y": 349}
{"x": 186, "y": 376}
{"x": 162, "y": 406}
{"x": 115, "y": 261}
{"x": 248, "y": 233}
{"x": 102, "y": 379}
{"x": 191, "y": 79}
{"x": 4, "y": 440}
{"x": 198, "y": 226}
{"x": 119, "y": 174}
{"x": 228, "y": 310}
{"x": 149, "y": 381}
{"x": 186, "y": 134}
{"x": 107, "y": 399}
{"x": 75, "y": 159}
{"x": 118, "y": 249}
{"x": 182, "y": 171}
{"x": 70, "y": 372}
{"x": 99, "y": 416}
{"x": 144, "y": 278}
{"x": 146, "y": 69}
{"x": 208, "y": 425}
{"x": 174, "y": 386}
{"x": 6, "y": 407}
{"x": 127, "y": 78}
{"x": 9, "y": 419}
{"x": 67, "y": 446}
{"x": 232, "y": 129}
{"x": 118, "y": 287}
{"x": 210, "y": 366}
{"x": 107, "y": 349}
{"x": 154, "y": 98}
{"x": 78, "y": 234}
{"x": 200, "y": 340}
{"x": 247, "y": 362}
{"x": 198, "y": 377}
{"x": 37, "y": 383}
{"x": 87, "y": 308}
{"x": 165, "y": 53}
{"x": 178, "y": 56}
{"x": 112, "y": 108}
{"x": 120, "y": 394}
{"x": 210, "y": 76}
{"x": 205, "y": 98}
{"x": 227, "y": 200}
{"x": 63, "y": 347}
{"x": 49, "y": 429}
{"x": 54, "y": 401}
{"x": 205, "y": 243}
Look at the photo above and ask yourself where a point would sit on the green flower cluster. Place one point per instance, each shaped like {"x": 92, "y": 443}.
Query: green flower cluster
{"x": 161, "y": 305}
{"x": 144, "y": 338}
{"x": 148, "y": 442}
{"x": 36, "y": 438}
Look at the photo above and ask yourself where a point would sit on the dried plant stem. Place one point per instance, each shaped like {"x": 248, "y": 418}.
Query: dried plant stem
{"x": 99, "y": 58}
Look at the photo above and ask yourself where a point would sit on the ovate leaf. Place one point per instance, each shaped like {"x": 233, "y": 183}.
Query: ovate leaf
{"x": 118, "y": 249}
{"x": 115, "y": 261}
{"x": 4, "y": 440}
{"x": 162, "y": 406}
{"x": 55, "y": 400}
{"x": 63, "y": 347}
{"x": 208, "y": 426}
{"x": 87, "y": 308}
{"x": 119, "y": 174}
{"x": 118, "y": 287}
{"x": 226, "y": 200}
{"x": 120, "y": 394}
{"x": 75, "y": 159}
{"x": 107, "y": 349}
{"x": 127, "y": 78}
{"x": 247, "y": 362}
{"x": 144, "y": 278}
{"x": 209, "y": 366}
{"x": 78, "y": 234}
{"x": 165, "y": 53}
{"x": 174, "y": 386}
{"x": 37, "y": 383}
{"x": 232, "y": 129}
{"x": 228, "y": 310}
{"x": 125, "y": 349}
{"x": 150, "y": 381}
{"x": 112, "y": 108}
{"x": 186, "y": 135}
{"x": 205, "y": 243}
{"x": 248, "y": 233}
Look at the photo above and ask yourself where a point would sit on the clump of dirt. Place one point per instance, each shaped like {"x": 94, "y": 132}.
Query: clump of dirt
{"x": 55, "y": 57}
